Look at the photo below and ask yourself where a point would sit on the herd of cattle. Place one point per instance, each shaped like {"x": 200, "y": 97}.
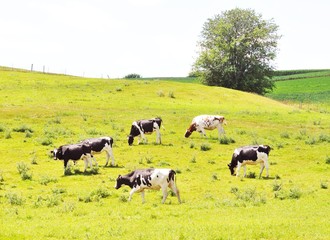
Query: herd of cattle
{"x": 156, "y": 179}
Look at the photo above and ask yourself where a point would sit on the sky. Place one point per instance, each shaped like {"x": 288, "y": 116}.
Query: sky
{"x": 153, "y": 38}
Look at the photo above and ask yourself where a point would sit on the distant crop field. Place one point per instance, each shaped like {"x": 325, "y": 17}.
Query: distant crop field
{"x": 313, "y": 92}
{"x": 39, "y": 112}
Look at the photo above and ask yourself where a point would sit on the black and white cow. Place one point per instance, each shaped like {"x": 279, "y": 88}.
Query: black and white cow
{"x": 99, "y": 145}
{"x": 206, "y": 122}
{"x": 250, "y": 155}
{"x": 73, "y": 152}
{"x": 151, "y": 178}
{"x": 142, "y": 127}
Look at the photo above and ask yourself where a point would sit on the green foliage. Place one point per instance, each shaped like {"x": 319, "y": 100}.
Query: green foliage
{"x": 14, "y": 198}
{"x": 133, "y": 75}
{"x": 237, "y": 48}
{"x": 226, "y": 140}
{"x": 205, "y": 147}
{"x": 23, "y": 170}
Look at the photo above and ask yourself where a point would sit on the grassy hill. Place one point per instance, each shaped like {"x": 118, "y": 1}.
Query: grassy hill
{"x": 40, "y": 111}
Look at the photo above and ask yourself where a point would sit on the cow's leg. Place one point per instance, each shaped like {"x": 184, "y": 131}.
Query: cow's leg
{"x": 110, "y": 154}
{"x": 158, "y": 135}
{"x": 244, "y": 167}
{"x": 262, "y": 166}
{"x": 90, "y": 159}
{"x": 65, "y": 164}
{"x": 267, "y": 168}
{"x": 144, "y": 139}
{"x": 134, "y": 189}
{"x": 238, "y": 168}
{"x": 142, "y": 196}
{"x": 175, "y": 190}
{"x": 165, "y": 193}
{"x": 86, "y": 161}
{"x": 220, "y": 130}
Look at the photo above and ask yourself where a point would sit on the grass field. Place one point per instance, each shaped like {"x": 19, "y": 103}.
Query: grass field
{"x": 39, "y": 112}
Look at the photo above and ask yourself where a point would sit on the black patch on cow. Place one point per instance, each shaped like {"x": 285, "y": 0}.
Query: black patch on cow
{"x": 146, "y": 126}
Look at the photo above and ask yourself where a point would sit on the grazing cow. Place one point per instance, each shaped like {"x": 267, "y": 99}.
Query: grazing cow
{"x": 141, "y": 127}
{"x": 250, "y": 155}
{"x": 156, "y": 179}
{"x": 73, "y": 152}
{"x": 99, "y": 145}
{"x": 206, "y": 122}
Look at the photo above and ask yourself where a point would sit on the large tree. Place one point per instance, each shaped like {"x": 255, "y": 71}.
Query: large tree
{"x": 237, "y": 50}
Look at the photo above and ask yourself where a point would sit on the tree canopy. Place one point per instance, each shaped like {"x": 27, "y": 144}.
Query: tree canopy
{"x": 237, "y": 50}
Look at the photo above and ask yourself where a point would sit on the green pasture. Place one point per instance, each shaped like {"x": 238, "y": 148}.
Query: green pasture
{"x": 39, "y": 112}
{"x": 306, "y": 92}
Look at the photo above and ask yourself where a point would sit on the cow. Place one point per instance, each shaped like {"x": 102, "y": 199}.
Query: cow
{"x": 142, "y": 127}
{"x": 250, "y": 155}
{"x": 99, "y": 145}
{"x": 206, "y": 122}
{"x": 151, "y": 178}
{"x": 73, "y": 152}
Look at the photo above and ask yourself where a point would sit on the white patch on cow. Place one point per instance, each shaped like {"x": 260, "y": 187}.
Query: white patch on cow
{"x": 209, "y": 122}
{"x": 158, "y": 180}
{"x": 262, "y": 159}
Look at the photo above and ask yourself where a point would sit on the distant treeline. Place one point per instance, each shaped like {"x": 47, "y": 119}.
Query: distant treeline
{"x": 293, "y": 72}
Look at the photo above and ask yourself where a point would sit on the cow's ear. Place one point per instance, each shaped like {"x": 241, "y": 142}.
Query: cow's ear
{"x": 119, "y": 176}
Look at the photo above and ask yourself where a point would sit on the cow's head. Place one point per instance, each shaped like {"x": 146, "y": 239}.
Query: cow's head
{"x": 264, "y": 148}
{"x": 130, "y": 139}
{"x": 190, "y": 130}
{"x": 56, "y": 153}
{"x": 119, "y": 182}
{"x": 232, "y": 169}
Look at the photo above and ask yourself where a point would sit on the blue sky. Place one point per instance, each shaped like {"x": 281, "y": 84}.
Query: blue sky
{"x": 154, "y": 38}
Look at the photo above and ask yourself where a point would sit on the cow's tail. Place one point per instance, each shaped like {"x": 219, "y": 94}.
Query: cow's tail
{"x": 171, "y": 176}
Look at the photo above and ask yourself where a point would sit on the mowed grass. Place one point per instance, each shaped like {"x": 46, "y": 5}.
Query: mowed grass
{"x": 40, "y": 112}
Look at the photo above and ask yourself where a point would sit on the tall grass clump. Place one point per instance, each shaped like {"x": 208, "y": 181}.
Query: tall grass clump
{"x": 205, "y": 147}
{"x": 226, "y": 140}
{"x": 327, "y": 160}
{"x": 248, "y": 196}
{"x": 23, "y": 129}
{"x": 23, "y": 170}
{"x": 14, "y": 198}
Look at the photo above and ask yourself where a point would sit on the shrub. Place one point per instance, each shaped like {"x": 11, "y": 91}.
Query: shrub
{"x": 160, "y": 93}
{"x": 8, "y": 134}
{"x": 23, "y": 129}
{"x": 251, "y": 175}
{"x": 95, "y": 195}
{"x": 311, "y": 141}
{"x": 133, "y": 75}
{"x": 171, "y": 94}
{"x": 205, "y": 147}
{"x": 248, "y": 196}
{"x": 23, "y": 170}
{"x": 14, "y": 199}
{"x": 295, "y": 193}
{"x": 2, "y": 128}
{"x": 327, "y": 160}
{"x": 226, "y": 140}
{"x": 285, "y": 135}
{"x": 28, "y": 134}
{"x": 324, "y": 185}
{"x": 46, "y": 142}
{"x": 277, "y": 186}
{"x": 46, "y": 179}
